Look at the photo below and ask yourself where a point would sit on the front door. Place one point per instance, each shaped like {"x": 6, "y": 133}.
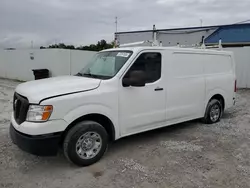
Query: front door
{"x": 143, "y": 108}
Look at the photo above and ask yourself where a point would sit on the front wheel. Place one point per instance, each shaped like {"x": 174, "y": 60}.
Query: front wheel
{"x": 85, "y": 143}
{"x": 213, "y": 112}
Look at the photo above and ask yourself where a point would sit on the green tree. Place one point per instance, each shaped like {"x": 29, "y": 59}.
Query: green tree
{"x": 101, "y": 45}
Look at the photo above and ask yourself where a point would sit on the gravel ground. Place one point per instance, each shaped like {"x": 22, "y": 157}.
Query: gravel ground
{"x": 184, "y": 155}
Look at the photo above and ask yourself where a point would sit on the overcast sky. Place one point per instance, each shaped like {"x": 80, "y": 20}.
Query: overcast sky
{"x": 87, "y": 21}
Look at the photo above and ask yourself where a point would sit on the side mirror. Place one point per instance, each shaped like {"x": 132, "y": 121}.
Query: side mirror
{"x": 126, "y": 82}
{"x": 136, "y": 79}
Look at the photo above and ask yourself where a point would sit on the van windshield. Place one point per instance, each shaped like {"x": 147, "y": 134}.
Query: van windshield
{"x": 105, "y": 65}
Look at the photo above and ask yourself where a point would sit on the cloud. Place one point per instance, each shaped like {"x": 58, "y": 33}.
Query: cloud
{"x": 82, "y": 22}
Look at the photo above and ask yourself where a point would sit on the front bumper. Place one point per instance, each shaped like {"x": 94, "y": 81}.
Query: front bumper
{"x": 42, "y": 145}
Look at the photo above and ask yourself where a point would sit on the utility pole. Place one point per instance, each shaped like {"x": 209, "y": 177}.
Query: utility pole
{"x": 154, "y": 35}
{"x": 116, "y": 23}
{"x": 115, "y": 39}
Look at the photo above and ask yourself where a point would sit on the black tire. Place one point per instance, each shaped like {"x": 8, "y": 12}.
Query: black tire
{"x": 208, "y": 119}
{"x": 70, "y": 141}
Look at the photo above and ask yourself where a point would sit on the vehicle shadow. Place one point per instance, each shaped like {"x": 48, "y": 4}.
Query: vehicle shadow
{"x": 151, "y": 136}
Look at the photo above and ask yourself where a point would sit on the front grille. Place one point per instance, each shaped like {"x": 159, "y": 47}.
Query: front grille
{"x": 20, "y": 108}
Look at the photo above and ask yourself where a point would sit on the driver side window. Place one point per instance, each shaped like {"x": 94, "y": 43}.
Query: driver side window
{"x": 150, "y": 63}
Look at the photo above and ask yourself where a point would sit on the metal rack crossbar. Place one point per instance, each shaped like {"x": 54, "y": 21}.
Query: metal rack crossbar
{"x": 156, "y": 43}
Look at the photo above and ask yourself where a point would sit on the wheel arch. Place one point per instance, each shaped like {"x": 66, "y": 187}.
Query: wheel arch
{"x": 220, "y": 98}
{"x": 216, "y": 94}
{"x": 103, "y": 115}
{"x": 99, "y": 118}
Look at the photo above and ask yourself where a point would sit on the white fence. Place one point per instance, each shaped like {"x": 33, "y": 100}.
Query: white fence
{"x": 242, "y": 59}
{"x": 18, "y": 64}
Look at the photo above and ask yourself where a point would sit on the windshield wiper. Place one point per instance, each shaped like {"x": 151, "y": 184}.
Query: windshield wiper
{"x": 90, "y": 75}
{"x": 93, "y": 75}
{"x": 79, "y": 74}
{"x": 85, "y": 74}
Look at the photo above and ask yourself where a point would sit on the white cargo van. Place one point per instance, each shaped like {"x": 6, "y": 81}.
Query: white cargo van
{"x": 122, "y": 91}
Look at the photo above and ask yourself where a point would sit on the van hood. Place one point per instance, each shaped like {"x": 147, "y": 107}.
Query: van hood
{"x": 38, "y": 90}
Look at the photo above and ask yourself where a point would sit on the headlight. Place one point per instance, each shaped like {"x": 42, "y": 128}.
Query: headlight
{"x": 39, "y": 113}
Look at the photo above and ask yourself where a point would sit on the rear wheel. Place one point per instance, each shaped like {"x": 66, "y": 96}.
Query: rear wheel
{"x": 85, "y": 143}
{"x": 213, "y": 112}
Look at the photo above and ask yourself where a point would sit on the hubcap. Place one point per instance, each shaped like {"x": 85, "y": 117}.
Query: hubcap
{"x": 88, "y": 145}
{"x": 215, "y": 113}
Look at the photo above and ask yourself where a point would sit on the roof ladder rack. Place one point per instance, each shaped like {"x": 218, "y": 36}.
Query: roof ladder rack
{"x": 203, "y": 46}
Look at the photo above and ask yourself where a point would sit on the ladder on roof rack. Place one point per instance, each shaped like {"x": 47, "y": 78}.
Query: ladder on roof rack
{"x": 203, "y": 46}
{"x": 141, "y": 43}
{"x": 156, "y": 43}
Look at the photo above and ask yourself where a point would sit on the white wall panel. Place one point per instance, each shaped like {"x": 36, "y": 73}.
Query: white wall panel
{"x": 242, "y": 59}
{"x": 18, "y": 64}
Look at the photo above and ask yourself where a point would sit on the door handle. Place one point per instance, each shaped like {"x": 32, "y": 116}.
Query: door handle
{"x": 159, "y": 89}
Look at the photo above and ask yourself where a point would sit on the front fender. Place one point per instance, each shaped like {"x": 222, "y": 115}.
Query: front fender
{"x": 93, "y": 109}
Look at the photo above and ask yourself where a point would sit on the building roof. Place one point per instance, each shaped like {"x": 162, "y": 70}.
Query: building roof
{"x": 230, "y": 34}
{"x": 188, "y": 28}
